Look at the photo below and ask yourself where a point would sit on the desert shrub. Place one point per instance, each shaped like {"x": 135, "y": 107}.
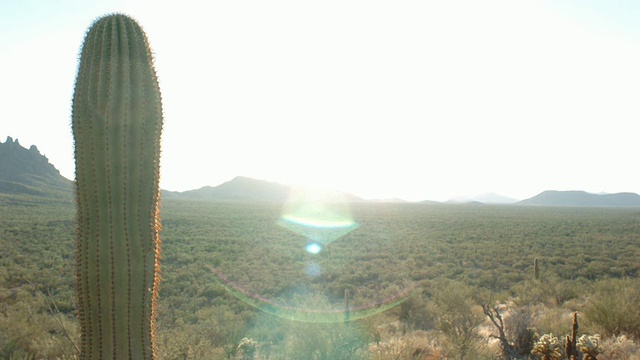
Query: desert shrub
{"x": 457, "y": 318}
{"x": 413, "y": 313}
{"x": 529, "y": 292}
{"x": 554, "y": 320}
{"x": 561, "y": 291}
{"x": 31, "y": 327}
{"x": 213, "y": 332}
{"x": 186, "y": 341}
{"x": 296, "y": 337}
{"x": 397, "y": 348}
{"x": 12, "y": 350}
{"x": 619, "y": 348}
{"x": 247, "y": 349}
{"x": 416, "y": 345}
{"x": 513, "y": 330}
{"x": 325, "y": 341}
{"x": 613, "y": 307}
{"x": 520, "y": 331}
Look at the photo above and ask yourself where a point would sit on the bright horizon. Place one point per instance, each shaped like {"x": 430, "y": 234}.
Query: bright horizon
{"x": 419, "y": 100}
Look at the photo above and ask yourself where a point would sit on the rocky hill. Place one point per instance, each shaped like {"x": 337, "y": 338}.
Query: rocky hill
{"x": 26, "y": 171}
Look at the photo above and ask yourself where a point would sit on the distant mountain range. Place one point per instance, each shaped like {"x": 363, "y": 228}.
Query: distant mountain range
{"x": 26, "y": 171}
{"x": 243, "y": 188}
{"x": 239, "y": 188}
{"x": 582, "y": 198}
{"x": 487, "y": 198}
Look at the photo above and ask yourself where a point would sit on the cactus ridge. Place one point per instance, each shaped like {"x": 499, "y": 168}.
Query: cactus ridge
{"x": 117, "y": 123}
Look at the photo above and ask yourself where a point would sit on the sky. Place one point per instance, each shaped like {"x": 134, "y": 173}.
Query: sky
{"x": 419, "y": 100}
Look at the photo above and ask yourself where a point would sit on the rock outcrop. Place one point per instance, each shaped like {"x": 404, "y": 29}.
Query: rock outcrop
{"x": 28, "y": 171}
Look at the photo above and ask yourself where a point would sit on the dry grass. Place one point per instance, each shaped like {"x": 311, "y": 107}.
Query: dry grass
{"x": 417, "y": 345}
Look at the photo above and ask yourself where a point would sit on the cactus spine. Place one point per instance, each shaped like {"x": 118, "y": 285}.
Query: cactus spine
{"x": 116, "y": 123}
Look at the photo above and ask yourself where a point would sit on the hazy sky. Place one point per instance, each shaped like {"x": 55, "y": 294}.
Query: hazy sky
{"x": 416, "y": 99}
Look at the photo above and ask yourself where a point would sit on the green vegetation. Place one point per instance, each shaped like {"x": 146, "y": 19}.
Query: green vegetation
{"x": 584, "y": 256}
{"x": 117, "y": 121}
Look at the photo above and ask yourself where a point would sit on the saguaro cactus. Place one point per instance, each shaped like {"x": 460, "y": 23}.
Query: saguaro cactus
{"x": 570, "y": 347}
{"x": 117, "y": 121}
{"x": 347, "y": 315}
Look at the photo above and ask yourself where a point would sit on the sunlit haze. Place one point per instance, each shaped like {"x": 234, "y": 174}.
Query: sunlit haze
{"x": 419, "y": 100}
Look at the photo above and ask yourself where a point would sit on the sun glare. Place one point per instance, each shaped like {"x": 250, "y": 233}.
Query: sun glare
{"x": 319, "y": 216}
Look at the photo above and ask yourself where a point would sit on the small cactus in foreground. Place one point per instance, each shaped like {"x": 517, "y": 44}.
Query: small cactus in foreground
{"x": 590, "y": 346}
{"x": 116, "y": 122}
{"x": 547, "y": 347}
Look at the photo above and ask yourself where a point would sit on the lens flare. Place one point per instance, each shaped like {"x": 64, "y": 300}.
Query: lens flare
{"x": 318, "y": 219}
{"x": 324, "y": 314}
{"x": 319, "y": 216}
{"x": 313, "y": 270}
{"x": 314, "y": 248}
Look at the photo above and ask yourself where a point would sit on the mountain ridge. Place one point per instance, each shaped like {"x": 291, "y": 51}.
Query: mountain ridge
{"x": 582, "y": 198}
{"x": 489, "y": 198}
{"x": 242, "y": 188}
{"x": 238, "y": 188}
{"x": 27, "y": 171}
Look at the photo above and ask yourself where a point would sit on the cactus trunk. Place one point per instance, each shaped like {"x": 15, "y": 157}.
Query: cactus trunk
{"x": 117, "y": 122}
{"x": 347, "y": 315}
